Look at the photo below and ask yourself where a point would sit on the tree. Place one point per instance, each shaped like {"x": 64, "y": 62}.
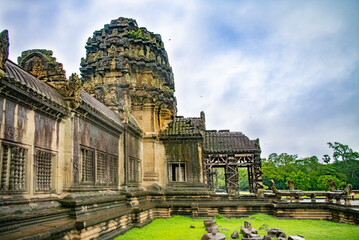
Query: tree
{"x": 326, "y": 158}
{"x": 323, "y": 182}
{"x": 243, "y": 179}
{"x": 301, "y": 180}
{"x": 282, "y": 159}
{"x": 343, "y": 152}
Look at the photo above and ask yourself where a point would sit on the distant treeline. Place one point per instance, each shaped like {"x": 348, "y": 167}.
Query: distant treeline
{"x": 310, "y": 173}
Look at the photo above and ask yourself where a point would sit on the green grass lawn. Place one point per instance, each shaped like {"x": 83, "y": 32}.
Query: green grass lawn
{"x": 178, "y": 228}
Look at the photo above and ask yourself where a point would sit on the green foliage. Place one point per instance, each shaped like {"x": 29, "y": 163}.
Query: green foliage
{"x": 177, "y": 227}
{"x": 343, "y": 152}
{"x": 219, "y": 181}
{"x": 301, "y": 180}
{"x": 326, "y": 158}
{"x": 138, "y": 34}
{"x": 243, "y": 179}
{"x": 308, "y": 173}
{"x": 219, "y": 216}
{"x": 323, "y": 182}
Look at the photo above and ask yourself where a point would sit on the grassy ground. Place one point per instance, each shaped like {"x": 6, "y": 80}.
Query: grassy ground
{"x": 178, "y": 228}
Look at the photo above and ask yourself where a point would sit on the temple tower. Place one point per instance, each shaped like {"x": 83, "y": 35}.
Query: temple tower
{"x": 127, "y": 68}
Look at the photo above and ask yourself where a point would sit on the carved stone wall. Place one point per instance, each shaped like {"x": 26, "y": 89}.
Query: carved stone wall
{"x": 41, "y": 64}
{"x": 133, "y": 164}
{"x": 96, "y": 156}
{"x": 28, "y": 147}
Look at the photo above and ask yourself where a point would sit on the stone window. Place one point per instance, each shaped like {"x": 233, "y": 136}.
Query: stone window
{"x": 134, "y": 170}
{"x": 101, "y": 167}
{"x": 13, "y": 168}
{"x": 177, "y": 172}
{"x": 113, "y": 169}
{"x": 43, "y": 170}
{"x": 88, "y": 165}
{"x": 98, "y": 167}
{"x": 107, "y": 172}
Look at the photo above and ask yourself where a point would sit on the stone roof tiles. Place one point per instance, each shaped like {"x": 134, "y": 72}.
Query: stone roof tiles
{"x": 185, "y": 127}
{"x": 225, "y": 141}
{"x": 21, "y": 78}
{"x": 99, "y": 107}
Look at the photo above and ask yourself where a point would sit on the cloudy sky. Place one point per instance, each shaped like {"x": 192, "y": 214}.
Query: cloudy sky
{"x": 286, "y": 72}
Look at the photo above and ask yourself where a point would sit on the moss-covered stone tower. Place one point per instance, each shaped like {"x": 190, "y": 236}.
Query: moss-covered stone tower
{"x": 127, "y": 69}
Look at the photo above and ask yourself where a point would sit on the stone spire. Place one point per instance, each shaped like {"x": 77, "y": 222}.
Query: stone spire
{"x": 4, "y": 50}
{"x": 127, "y": 68}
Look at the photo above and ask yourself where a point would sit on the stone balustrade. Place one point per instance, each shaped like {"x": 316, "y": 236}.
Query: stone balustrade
{"x": 283, "y": 196}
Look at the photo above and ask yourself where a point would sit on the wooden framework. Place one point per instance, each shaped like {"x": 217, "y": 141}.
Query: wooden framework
{"x": 231, "y": 163}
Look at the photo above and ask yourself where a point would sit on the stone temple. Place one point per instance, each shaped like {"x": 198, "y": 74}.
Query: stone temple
{"x": 95, "y": 155}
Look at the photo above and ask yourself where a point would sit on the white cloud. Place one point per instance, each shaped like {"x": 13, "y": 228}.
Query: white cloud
{"x": 272, "y": 70}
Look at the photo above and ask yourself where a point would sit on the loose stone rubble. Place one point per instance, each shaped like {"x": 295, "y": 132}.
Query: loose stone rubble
{"x": 212, "y": 231}
{"x": 250, "y": 233}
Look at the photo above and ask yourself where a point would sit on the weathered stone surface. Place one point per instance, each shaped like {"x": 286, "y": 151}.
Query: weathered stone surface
{"x": 4, "y": 50}
{"x": 247, "y": 231}
{"x": 266, "y": 237}
{"x": 126, "y": 66}
{"x": 209, "y": 223}
{"x": 295, "y": 238}
{"x": 273, "y": 187}
{"x": 253, "y": 235}
{"x": 276, "y": 232}
{"x": 247, "y": 224}
{"x": 235, "y": 234}
{"x": 43, "y": 66}
{"x": 213, "y": 236}
{"x": 290, "y": 184}
{"x": 332, "y": 186}
{"x": 213, "y": 229}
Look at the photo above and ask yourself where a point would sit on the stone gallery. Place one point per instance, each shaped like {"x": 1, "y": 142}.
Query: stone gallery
{"x": 95, "y": 155}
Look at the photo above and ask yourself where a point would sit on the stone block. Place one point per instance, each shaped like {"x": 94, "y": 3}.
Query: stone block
{"x": 235, "y": 235}
{"x": 295, "y": 238}
{"x": 213, "y": 236}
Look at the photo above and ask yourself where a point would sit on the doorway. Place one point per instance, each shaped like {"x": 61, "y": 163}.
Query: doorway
{"x": 219, "y": 180}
